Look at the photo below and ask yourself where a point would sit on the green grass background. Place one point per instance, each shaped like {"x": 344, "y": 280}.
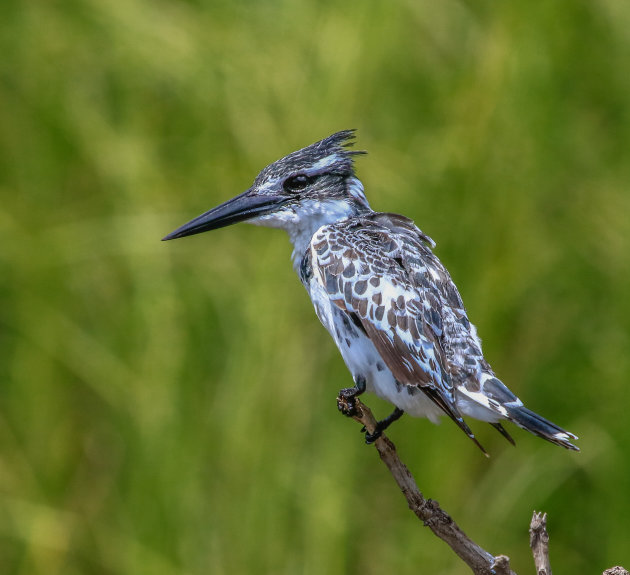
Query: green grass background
{"x": 169, "y": 408}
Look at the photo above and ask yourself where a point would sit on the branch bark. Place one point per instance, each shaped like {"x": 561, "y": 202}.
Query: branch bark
{"x": 480, "y": 561}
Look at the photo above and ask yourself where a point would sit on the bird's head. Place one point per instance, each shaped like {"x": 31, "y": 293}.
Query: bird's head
{"x": 307, "y": 188}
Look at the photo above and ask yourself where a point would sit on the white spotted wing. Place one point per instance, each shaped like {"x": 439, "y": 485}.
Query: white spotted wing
{"x": 380, "y": 270}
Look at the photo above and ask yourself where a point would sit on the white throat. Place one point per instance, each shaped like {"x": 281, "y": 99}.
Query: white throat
{"x": 303, "y": 219}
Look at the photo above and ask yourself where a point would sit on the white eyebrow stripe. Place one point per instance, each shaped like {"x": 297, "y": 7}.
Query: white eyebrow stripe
{"x": 325, "y": 162}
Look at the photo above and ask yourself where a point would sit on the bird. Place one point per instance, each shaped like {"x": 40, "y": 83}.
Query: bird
{"x": 380, "y": 291}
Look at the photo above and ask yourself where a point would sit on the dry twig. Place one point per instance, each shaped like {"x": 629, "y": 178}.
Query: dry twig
{"x": 428, "y": 511}
{"x": 435, "y": 518}
{"x": 539, "y": 542}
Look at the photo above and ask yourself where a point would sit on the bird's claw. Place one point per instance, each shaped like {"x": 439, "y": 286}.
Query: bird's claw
{"x": 346, "y": 400}
{"x": 372, "y": 437}
{"x": 347, "y": 405}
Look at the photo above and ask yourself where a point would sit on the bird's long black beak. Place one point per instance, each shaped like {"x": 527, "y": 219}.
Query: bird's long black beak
{"x": 244, "y": 207}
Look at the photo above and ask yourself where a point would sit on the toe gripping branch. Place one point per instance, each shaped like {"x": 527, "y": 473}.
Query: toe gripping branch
{"x": 382, "y": 425}
{"x": 347, "y": 398}
{"x": 349, "y": 404}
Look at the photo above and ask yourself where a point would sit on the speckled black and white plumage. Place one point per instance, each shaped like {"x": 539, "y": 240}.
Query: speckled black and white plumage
{"x": 380, "y": 291}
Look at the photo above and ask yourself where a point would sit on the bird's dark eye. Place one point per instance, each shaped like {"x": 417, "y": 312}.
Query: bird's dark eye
{"x": 296, "y": 183}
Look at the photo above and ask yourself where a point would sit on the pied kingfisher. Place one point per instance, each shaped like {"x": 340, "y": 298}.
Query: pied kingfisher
{"x": 380, "y": 291}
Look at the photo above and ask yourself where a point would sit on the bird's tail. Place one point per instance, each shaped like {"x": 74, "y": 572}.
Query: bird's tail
{"x": 538, "y": 425}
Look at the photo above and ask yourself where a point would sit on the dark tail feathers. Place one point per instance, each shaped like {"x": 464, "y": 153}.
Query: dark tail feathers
{"x": 540, "y": 426}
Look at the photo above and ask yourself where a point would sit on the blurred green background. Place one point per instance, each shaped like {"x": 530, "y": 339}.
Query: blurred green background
{"x": 169, "y": 408}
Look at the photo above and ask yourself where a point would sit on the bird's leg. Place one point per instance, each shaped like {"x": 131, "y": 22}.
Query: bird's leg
{"x": 347, "y": 394}
{"x": 382, "y": 425}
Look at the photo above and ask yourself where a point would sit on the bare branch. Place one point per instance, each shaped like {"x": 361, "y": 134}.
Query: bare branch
{"x": 428, "y": 511}
{"x": 435, "y": 518}
{"x": 539, "y": 542}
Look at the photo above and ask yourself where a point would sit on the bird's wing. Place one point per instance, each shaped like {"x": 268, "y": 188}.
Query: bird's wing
{"x": 367, "y": 267}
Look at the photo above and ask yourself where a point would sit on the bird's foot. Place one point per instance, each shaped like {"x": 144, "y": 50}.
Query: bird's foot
{"x": 372, "y": 437}
{"x": 346, "y": 399}
{"x": 347, "y": 405}
{"x": 381, "y": 426}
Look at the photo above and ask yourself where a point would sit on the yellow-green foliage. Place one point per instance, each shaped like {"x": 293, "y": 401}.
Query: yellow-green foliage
{"x": 169, "y": 408}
